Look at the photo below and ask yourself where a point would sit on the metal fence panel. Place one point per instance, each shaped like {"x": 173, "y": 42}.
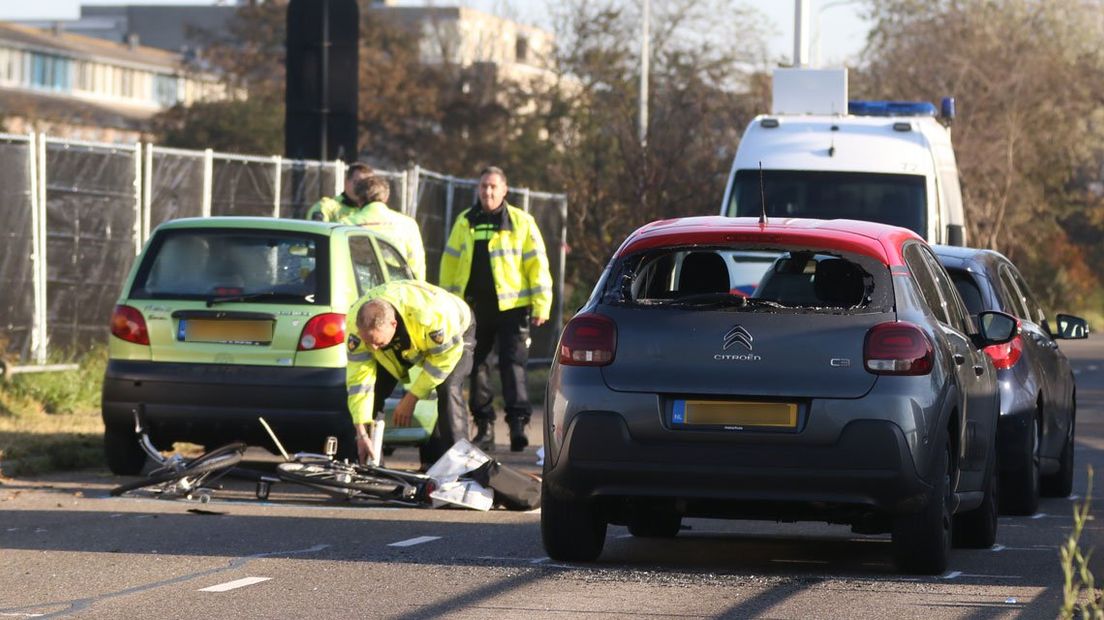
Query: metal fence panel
{"x": 176, "y": 185}
{"x": 303, "y": 183}
{"x": 550, "y": 211}
{"x": 432, "y": 195}
{"x": 243, "y": 186}
{"x": 91, "y": 229}
{"x": 17, "y": 239}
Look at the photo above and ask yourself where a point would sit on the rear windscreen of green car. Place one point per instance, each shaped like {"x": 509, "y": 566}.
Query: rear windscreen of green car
{"x": 258, "y": 266}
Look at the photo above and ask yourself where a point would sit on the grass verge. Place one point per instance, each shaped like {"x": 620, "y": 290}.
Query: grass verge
{"x": 51, "y": 421}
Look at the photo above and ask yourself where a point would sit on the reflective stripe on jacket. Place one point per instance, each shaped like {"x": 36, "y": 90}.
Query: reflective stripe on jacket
{"x": 435, "y": 321}
{"x": 519, "y": 264}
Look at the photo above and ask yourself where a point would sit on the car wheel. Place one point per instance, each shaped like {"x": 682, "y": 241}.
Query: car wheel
{"x": 571, "y": 530}
{"x": 124, "y": 456}
{"x": 977, "y": 528}
{"x": 922, "y": 541}
{"x": 1020, "y": 487}
{"x": 648, "y": 524}
{"x": 1060, "y": 483}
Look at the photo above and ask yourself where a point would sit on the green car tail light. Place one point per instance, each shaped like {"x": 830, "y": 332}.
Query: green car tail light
{"x": 128, "y": 324}
{"x": 322, "y": 331}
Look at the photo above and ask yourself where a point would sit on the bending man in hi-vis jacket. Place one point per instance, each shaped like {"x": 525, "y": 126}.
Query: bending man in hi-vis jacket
{"x": 401, "y": 326}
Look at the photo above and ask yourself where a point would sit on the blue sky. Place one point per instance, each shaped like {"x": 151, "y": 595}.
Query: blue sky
{"x": 842, "y": 30}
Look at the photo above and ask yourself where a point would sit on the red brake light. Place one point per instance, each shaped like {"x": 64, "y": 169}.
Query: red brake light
{"x": 588, "y": 340}
{"x": 324, "y": 330}
{"x": 898, "y": 349}
{"x": 128, "y": 324}
{"x": 1005, "y": 355}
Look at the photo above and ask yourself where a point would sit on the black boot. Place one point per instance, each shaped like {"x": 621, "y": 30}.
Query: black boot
{"x": 518, "y": 440}
{"x": 484, "y": 437}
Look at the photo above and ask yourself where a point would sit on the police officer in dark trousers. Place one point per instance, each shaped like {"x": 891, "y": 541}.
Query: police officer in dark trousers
{"x": 495, "y": 259}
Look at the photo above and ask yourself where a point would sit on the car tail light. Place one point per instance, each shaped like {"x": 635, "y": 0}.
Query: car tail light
{"x": 1007, "y": 354}
{"x": 588, "y": 340}
{"x": 898, "y": 349}
{"x": 324, "y": 330}
{"x": 128, "y": 324}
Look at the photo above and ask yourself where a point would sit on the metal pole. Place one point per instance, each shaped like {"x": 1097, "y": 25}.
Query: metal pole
{"x": 37, "y": 256}
{"x": 339, "y": 177}
{"x": 208, "y": 180}
{"x": 801, "y": 33}
{"x": 450, "y": 201}
{"x": 137, "y": 228}
{"x": 279, "y": 163}
{"x": 147, "y": 194}
{"x": 41, "y": 312}
{"x": 645, "y": 58}
{"x": 325, "y": 103}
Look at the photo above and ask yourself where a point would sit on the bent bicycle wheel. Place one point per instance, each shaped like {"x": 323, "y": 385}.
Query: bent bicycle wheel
{"x": 341, "y": 482}
{"x": 208, "y": 466}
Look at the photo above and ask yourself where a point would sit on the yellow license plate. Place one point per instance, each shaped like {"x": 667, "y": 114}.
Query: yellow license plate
{"x": 228, "y": 331}
{"x": 732, "y": 413}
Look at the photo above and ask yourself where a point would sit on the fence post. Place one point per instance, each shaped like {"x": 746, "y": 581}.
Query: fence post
{"x": 279, "y": 163}
{"x": 147, "y": 194}
{"x": 339, "y": 177}
{"x": 208, "y": 180}
{"x": 39, "y": 337}
{"x": 415, "y": 180}
{"x": 525, "y": 200}
{"x": 563, "y": 270}
{"x": 450, "y": 202}
{"x": 405, "y": 206}
{"x": 137, "y": 228}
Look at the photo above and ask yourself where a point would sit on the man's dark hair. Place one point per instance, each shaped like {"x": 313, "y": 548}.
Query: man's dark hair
{"x": 359, "y": 169}
{"x": 494, "y": 170}
{"x": 372, "y": 189}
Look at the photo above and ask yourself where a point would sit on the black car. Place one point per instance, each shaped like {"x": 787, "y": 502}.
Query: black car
{"x": 849, "y": 387}
{"x": 1038, "y": 395}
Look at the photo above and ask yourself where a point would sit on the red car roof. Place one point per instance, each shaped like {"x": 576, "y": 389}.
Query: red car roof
{"x": 879, "y": 241}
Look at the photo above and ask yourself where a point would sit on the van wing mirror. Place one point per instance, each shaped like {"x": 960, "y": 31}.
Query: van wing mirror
{"x": 996, "y": 327}
{"x": 1072, "y": 327}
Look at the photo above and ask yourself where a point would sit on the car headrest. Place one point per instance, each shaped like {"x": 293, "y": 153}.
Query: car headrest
{"x": 838, "y": 282}
{"x": 703, "y": 272}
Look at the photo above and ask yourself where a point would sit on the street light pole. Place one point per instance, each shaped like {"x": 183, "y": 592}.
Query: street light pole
{"x": 645, "y": 57}
{"x": 801, "y": 34}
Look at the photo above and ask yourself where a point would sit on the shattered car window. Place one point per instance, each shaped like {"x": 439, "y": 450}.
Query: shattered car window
{"x": 806, "y": 280}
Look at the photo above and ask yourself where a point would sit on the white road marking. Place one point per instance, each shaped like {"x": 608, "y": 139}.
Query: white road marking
{"x": 20, "y": 615}
{"x": 1073, "y": 498}
{"x": 997, "y": 548}
{"x": 953, "y": 574}
{"x": 414, "y": 541}
{"x": 1039, "y": 515}
{"x": 233, "y": 585}
{"x": 625, "y": 536}
{"x": 990, "y": 576}
{"x": 538, "y": 560}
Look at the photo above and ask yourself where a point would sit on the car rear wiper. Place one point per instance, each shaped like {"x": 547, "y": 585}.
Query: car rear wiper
{"x": 255, "y": 296}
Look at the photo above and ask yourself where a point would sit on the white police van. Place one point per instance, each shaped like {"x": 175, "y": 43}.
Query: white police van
{"x": 819, "y": 155}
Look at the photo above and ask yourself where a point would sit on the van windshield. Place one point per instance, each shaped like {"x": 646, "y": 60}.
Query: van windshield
{"x": 896, "y": 199}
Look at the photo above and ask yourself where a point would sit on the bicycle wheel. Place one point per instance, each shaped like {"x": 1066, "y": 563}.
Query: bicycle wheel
{"x": 344, "y": 481}
{"x": 204, "y": 468}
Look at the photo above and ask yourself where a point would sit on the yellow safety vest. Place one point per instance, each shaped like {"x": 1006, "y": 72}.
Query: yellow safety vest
{"x": 400, "y": 230}
{"x": 333, "y": 209}
{"x": 519, "y": 264}
{"x": 435, "y": 320}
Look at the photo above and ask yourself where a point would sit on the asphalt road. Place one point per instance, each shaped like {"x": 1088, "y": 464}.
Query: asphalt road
{"x": 67, "y": 549}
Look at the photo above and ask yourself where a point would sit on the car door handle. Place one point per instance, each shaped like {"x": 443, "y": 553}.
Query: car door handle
{"x": 979, "y": 370}
{"x": 959, "y": 358}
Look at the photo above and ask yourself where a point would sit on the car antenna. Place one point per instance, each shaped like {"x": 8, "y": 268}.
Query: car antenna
{"x": 762, "y": 198}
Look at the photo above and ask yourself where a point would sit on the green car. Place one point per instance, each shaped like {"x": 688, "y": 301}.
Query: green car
{"x": 225, "y": 319}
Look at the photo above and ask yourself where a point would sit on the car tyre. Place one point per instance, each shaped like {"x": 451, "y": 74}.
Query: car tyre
{"x": 125, "y": 456}
{"x": 1060, "y": 483}
{"x": 977, "y": 528}
{"x": 922, "y": 541}
{"x": 1020, "y": 487}
{"x": 649, "y": 524}
{"x": 572, "y": 530}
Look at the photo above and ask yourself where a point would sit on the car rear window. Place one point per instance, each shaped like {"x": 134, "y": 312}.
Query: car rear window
{"x": 235, "y": 265}
{"x": 804, "y": 280}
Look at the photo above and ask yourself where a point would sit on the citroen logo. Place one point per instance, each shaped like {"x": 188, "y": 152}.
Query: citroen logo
{"x": 738, "y": 335}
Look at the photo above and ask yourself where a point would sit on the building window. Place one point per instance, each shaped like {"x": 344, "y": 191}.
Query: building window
{"x": 521, "y": 49}
{"x": 49, "y": 71}
{"x": 165, "y": 90}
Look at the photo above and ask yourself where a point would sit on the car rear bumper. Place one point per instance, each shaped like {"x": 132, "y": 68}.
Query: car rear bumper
{"x": 869, "y": 469}
{"x": 212, "y": 404}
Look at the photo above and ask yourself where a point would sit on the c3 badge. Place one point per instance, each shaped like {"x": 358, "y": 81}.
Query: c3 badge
{"x": 354, "y": 342}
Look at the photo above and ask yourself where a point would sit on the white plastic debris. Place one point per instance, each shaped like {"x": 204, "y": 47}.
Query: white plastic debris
{"x": 465, "y": 493}
{"x": 461, "y": 458}
{"x": 540, "y": 455}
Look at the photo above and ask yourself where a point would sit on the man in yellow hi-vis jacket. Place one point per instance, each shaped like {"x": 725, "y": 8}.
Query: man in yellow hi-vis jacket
{"x": 495, "y": 258}
{"x": 399, "y": 228}
{"x": 399, "y": 326}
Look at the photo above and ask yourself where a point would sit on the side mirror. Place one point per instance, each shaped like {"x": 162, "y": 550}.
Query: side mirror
{"x": 997, "y": 327}
{"x": 1072, "y": 327}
